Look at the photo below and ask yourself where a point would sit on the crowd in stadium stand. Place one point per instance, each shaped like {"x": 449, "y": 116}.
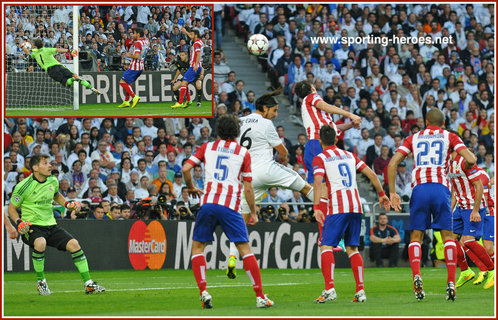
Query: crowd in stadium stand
{"x": 121, "y": 168}
{"x": 392, "y": 87}
{"x": 105, "y": 32}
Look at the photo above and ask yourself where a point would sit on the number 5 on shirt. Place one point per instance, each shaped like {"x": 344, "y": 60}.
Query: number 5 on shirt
{"x": 221, "y": 176}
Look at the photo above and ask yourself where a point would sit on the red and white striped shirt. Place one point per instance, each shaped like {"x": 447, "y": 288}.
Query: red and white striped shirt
{"x": 431, "y": 149}
{"x": 313, "y": 117}
{"x": 339, "y": 170}
{"x": 196, "y": 51}
{"x": 141, "y": 46}
{"x": 225, "y": 162}
{"x": 461, "y": 181}
{"x": 488, "y": 194}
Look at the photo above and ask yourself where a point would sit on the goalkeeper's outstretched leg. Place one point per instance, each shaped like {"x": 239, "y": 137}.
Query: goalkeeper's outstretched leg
{"x": 83, "y": 82}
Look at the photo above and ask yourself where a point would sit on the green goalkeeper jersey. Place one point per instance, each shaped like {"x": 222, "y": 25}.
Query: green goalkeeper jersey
{"x": 35, "y": 199}
{"x": 45, "y": 57}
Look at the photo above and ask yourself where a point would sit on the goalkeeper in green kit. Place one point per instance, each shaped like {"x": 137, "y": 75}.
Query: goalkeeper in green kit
{"x": 37, "y": 225}
{"x": 58, "y": 72}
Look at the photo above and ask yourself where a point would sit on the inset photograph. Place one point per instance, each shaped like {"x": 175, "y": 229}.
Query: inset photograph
{"x": 119, "y": 61}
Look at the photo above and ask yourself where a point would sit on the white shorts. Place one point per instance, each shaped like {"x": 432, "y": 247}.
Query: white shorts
{"x": 272, "y": 175}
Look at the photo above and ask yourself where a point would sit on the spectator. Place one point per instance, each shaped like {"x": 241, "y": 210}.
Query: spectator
{"x": 384, "y": 243}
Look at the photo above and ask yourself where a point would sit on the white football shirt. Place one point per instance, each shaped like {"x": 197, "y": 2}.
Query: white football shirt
{"x": 259, "y": 136}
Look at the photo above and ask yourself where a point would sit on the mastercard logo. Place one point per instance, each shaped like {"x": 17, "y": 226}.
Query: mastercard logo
{"x": 147, "y": 245}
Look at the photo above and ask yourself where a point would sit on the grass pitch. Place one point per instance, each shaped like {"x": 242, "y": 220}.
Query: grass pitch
{"x": 104, "y": 110}
{"x": 167, "y": 293}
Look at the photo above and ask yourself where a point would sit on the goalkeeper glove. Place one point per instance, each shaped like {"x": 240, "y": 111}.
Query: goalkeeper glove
{"x": 74, "y": 53}
{"x": 22, "y": 226}
{"x": 73, "y": 205}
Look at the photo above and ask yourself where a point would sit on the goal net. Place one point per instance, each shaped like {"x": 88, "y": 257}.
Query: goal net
{"x": 28, "y": 86}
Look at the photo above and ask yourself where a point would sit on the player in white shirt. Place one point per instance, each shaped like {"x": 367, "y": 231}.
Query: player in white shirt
{"x": 259, "y": 136}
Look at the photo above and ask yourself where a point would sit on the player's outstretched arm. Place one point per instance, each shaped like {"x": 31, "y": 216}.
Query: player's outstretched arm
{"x": 189, "y": 34}
{"x": 479, "y": 189}
{"x": 335, "y": 110}
{"x": 11, "y": 230}
{"x": 383, "y": 199}
{"x": 317, "y": 185}
{"x": 453, "y": 200}
{"x": 282, "y": 152}
{"x": 469, "y": 157}
{"x": 23, "y": 47}
{"x": 249, "y": 193}
{"x": 392, "y": 167}
{"x": 187, "y": 176}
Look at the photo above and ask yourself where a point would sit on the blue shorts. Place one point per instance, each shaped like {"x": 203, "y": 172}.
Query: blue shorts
{"x": 210, "y": 215}
{"x": 488, "y": 228}
{"x": 311, "y": 150}
{"x": 430, "y": 200}
{"x": 462, "y": 224}
{"x": 131, "y": 75}
{"x": 191, "y": 75}
{"x": 339, "y": 224}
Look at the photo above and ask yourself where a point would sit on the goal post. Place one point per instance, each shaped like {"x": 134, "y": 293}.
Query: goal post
{"x": 76, "y": 65}
{"x": 28, "y": 87}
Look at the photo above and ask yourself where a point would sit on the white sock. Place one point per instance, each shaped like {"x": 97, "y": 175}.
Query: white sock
{"x": 233, "y": 250}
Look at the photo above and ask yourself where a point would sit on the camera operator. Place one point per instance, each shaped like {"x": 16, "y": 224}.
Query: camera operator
{"x": 183, "y": 211}
{"x": 82, "y": 214}
{"x": 149, "y": 209}
{"x": 283, "y": 213}
{"x": 267, "y": 213}
{"x": 299, "y": 212}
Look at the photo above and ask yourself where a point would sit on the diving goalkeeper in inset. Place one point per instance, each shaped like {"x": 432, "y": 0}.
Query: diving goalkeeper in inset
{"x": 45, "y": 59}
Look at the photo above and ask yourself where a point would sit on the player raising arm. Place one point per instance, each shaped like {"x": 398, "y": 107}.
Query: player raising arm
{"x": 193, "y": 71}
{"x": 45, "y": 59}
{"x": 258, "y": 135}
{"x": 431, "y": 197}
{"x": 138, "y": 54}
{"x": 37, "y": 225}
{"x": 317, "y": 113}
{"x": 182, "y": 65}
{"x": 225, "y": 163}
{"x": 344, "y": 212}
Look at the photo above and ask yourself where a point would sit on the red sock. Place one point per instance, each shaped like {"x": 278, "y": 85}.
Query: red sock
{"x": 188, "y": 93}
{"x": 127, "y": 97}
{"x": 475, "y": 259}
{"x": 357, "y": 266}
{"x": 450, "y": 255}
{"x": 199, "y": 268}
{"x": 481, "y": 253}
{"x": 415, "y": 254}
{"x": 252, "y": 270}
{"x": 462, "y": 262}
{"x": 182, "y": 94}
{"x": 324, "y": 202}
{"x": 127, "y": 88}
{"x": 328, "y": 265}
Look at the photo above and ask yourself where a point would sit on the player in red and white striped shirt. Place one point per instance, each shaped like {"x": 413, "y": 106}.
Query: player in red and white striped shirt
{"x": 140, "y": 48}
{"x": 317, "y": 113}
{"x": 468, "y": 216}
{"x": 193, "y": 71}
{"x": 431, "y": 197}
{"x": 344, "y": 214}
{"x": 225, "y": 164}
{"x": 488, "y": 234}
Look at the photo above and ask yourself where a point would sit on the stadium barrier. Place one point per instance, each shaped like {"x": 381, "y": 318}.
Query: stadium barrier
{"x": 138, "y": 244}
{"x": 30, "y": 88}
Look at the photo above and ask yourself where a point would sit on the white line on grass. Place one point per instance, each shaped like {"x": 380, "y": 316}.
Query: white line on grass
{"x": 188, "y": 287}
